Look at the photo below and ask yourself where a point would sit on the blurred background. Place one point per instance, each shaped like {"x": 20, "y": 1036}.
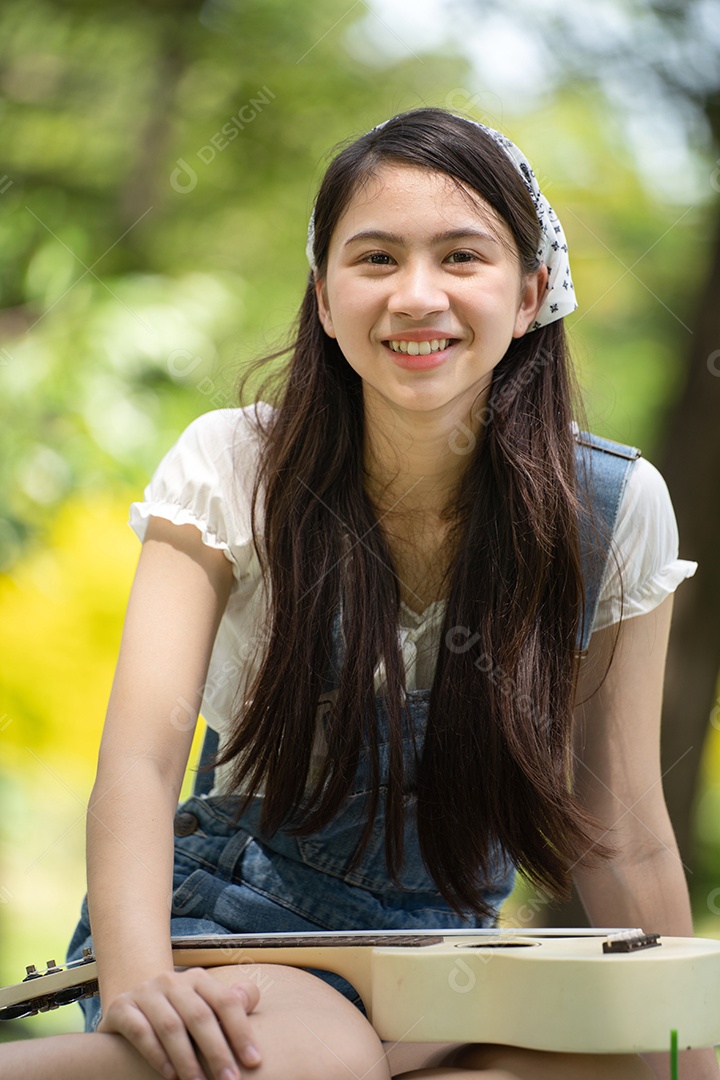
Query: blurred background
{"x": 158, "y": 164}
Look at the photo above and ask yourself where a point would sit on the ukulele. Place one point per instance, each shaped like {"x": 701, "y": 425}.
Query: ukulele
{"x": 583, "y": 991}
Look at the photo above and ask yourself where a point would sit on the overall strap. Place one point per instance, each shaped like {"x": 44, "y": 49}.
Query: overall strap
{"x": 602, "y": 468}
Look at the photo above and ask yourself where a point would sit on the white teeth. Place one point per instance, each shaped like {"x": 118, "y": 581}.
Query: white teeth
{"x": 420, "y": 348}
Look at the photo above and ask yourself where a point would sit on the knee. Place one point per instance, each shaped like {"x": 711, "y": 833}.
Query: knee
{"x": 307, "y": 1049}
{"x": 305, "y": 1030}
{"x": 346, "y": 1054}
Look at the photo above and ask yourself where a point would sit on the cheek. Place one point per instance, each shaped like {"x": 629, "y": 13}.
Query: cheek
{"x": 353, "y": 312}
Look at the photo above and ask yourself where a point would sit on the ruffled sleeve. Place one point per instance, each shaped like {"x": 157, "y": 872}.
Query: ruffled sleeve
{"x": 206, "y": 480}
{"x": 645, "y": 567}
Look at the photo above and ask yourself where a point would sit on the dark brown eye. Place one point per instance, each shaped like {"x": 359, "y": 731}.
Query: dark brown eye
{"x": 462, "y": 256}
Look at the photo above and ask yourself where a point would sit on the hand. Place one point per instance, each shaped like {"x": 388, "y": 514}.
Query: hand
{"x": 172, "y": 1017}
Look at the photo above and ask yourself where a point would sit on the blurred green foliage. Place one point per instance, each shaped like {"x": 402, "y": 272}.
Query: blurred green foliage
{"x": 157, "y": 171}
{"x": 161, "y": 161}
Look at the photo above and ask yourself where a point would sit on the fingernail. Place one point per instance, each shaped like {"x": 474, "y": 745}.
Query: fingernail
{"x": 229, "y": 1074}
{"x": 168, "y": 1071}
{"x": 251, "y": 1055}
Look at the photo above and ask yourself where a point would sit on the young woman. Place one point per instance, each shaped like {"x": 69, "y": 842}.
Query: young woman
{"x": 395, "y": 596}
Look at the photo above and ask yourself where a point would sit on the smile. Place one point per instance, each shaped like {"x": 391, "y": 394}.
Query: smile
{"x": 420, "y": 348}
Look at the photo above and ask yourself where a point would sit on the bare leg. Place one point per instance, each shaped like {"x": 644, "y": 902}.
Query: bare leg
{"x": 305, "y": 1031}
{"x": 73, "y": 1057}
{"x": 516, "y": 1064}
{"x": 451, "y": 1073}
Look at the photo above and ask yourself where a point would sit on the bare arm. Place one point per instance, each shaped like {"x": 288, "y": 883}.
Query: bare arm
{"x": 179, "y": 594}
{"x": 619, "y": 780}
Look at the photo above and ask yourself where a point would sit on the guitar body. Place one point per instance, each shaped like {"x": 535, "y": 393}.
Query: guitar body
{"x": 543, "y": 990}
{"x": 535, "y": 991}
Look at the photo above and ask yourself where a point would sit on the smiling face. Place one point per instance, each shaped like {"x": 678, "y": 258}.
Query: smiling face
{"x": 423, "y": 291}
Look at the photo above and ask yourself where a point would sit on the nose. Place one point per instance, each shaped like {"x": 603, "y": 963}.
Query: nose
{"x": 418, "y": 290}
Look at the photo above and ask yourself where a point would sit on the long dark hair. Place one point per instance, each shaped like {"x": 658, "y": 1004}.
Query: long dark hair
{"x": 496, "y": 762}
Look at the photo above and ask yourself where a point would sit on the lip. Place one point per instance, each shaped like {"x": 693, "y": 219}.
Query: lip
{"x": 419, "y": 363}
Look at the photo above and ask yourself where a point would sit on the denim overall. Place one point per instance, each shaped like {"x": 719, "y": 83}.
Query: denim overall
{"x": 228, "y": 881}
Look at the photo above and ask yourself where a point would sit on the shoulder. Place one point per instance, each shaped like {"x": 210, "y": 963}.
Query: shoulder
{"x": 219, "y": 449}
{"x": 639, "y": 485}
{"x": 222, "y": 429}
{"x": 646, "y": 531}
{"x": 647, "y": 492}
{"x": 643, "y": 567}
{"x": 207, "y": 478}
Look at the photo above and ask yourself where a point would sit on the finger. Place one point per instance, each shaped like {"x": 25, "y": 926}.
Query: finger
{"x": 130, "y": 1022}
{"x": 169, "y": 1027}
{"x": 249, "y": 993}
{"x": 204, "y": 1008}
{"x": 231, "y": 1005}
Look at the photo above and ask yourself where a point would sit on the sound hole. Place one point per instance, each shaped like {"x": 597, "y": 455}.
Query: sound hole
{"x": 498, "y": 945}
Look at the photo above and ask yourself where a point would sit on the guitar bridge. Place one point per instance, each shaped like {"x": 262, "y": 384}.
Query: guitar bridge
{"x": 630, "y": 941}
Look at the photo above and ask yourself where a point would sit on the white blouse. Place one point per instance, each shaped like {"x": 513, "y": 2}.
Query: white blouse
{"x": 206, "y": 479}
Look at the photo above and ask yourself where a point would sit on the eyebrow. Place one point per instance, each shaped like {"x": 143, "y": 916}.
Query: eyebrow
{"x": 439, "y": 238}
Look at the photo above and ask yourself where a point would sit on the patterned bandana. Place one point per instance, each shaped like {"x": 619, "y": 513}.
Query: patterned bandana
{"x": 553, "y": 250}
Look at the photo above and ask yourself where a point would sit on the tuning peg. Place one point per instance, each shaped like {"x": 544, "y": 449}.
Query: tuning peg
{"x": 32, "y": 972}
